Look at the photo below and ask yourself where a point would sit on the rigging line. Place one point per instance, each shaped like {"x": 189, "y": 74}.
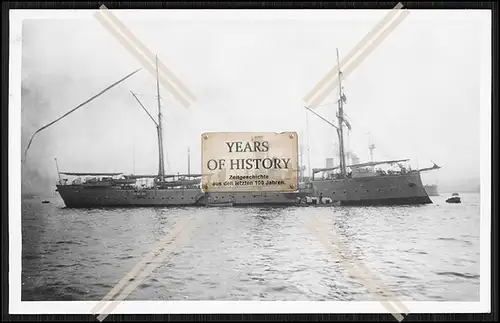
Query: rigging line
{"x": 144, "y": 108}
{"x": 319, "y": 116}
{"x": 146, "y": 94}
{"x": 73, "y": 110}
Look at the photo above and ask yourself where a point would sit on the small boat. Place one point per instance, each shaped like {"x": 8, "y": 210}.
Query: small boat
{"x": 455, "y": 198}
{"x": 45, "y": 201}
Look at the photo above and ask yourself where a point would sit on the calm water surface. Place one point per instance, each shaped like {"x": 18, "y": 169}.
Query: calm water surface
{"x": 426, "y": 253}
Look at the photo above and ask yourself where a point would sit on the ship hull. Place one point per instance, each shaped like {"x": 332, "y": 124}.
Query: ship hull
{"x": 381, "y": 190}
{"x": 75, "y": 196}
{"x": 251, "y": 198}
{"x": 404, "y": 189}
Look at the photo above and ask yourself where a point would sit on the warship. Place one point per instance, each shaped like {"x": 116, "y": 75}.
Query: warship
{"x": 90, "y": 190}
{"x": 366, "y": 183}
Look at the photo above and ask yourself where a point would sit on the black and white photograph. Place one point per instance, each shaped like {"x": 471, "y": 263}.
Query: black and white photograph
{"x": 350, "y": 150}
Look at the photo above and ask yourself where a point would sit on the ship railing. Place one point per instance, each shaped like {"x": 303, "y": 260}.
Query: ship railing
{"x": 62, "y": 182}
{"x": 88, "y": 178}
{"x": 362, "y": 174}
{"x": 393, "y": 167}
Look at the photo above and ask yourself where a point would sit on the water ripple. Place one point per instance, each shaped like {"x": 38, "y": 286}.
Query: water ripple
{"x": 424, "y": 253}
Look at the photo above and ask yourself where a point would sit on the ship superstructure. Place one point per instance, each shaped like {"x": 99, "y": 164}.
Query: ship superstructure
{"x": 366, "y": 183}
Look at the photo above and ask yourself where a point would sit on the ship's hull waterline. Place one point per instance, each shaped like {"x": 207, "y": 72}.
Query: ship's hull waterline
{"x": 79, "y": 197}
{"x": 405, "y": 189}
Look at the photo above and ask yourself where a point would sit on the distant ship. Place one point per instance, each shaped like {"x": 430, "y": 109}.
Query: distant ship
{"x": 364, "y": 183}
{"x": 89, "y": 190}
{"x": 431, "y": 189}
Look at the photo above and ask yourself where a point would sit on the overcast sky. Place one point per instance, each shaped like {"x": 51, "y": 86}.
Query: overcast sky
{"x": 417, "y": 93}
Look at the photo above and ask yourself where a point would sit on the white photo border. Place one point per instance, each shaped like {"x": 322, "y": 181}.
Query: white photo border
{"x": 16, "y": 306}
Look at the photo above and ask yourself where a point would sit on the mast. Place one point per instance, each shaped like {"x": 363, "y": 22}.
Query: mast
{"x": 371, "y": 147}
{"x": 161, "y": 166}
{"x": 341, "y": 121}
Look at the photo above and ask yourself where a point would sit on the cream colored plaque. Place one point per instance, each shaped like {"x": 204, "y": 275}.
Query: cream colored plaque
{"x": 250, "y": 161}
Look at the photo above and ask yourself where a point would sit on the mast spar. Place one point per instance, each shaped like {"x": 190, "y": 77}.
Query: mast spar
{"x": 161, "y": 166}
{"x": 159, "y": 128}
{"x": 341, "y": 121}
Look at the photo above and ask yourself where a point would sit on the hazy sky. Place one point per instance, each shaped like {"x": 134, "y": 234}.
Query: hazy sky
{"x": 417, "y": 93}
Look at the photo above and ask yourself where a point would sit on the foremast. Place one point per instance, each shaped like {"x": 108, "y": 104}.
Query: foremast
{"x": 159, "y": 128}
{"x": 340, "y": 116}
{"x": 341, "y": 121}
{"x": 161, "y": 164}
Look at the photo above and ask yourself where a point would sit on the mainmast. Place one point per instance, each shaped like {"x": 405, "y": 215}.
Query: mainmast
{"x": 371, "y": 147}
{"x": 341, "y": 121}
{"x": 161, "y": 166}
